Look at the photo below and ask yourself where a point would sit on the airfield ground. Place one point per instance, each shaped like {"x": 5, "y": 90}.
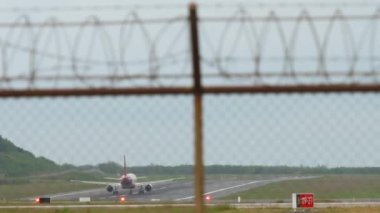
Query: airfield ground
{"x": 326, "y": 188}
{"x": 217, "y": 209}
{"x": 329, "y": 188}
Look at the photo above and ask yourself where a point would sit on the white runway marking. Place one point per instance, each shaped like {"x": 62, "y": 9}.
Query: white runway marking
{"x": 241, "y": 205}
{"x": 223, "y": 189}
{"x": 252, "y": 182}
{"x": 73, "y": 193}
{"x": 62, "y": 195}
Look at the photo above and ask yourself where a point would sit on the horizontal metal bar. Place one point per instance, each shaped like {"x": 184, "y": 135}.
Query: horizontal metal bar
{"x": 335, "y": 88}
{"x": 163, "y": 76}
{"x": 331, "y": 88}
{"x": 93, "y": 92}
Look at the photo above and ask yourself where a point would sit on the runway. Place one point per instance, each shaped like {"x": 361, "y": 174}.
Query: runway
{"x": 234, "y": 205}
{"x": 180, "y": 191}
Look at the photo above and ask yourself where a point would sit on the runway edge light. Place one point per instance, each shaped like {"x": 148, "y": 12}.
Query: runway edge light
{"x": 42, "y": 200}
{"x": 122, "y": 199}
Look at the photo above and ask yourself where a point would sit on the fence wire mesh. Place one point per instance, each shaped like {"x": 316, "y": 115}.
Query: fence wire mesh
{"x": 267, "y": 125}
{"x": 245, "y": 136}
{"x": 97, "y": 130}
{"x": 295, "y": 130}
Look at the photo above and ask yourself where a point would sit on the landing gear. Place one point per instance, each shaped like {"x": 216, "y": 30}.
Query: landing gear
{"x": 141, "y": 190}
{"x": 115, "y": 192}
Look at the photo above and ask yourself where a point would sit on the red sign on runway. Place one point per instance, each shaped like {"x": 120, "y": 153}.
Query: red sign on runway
{"x": 305, "y": 200}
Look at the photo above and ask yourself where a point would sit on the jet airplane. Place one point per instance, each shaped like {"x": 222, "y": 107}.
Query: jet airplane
{"x": 127, "y": 181}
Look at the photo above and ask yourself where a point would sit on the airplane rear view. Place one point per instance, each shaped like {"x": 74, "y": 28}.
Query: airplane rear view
{"x": 127, "y": 181}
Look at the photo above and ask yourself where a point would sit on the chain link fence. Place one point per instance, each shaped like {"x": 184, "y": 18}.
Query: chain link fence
{"x": 262, "y": 123}
{"x": 149, "y": 130}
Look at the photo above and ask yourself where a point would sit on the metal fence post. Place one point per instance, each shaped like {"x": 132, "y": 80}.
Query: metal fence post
{"x": 197, "y": 91}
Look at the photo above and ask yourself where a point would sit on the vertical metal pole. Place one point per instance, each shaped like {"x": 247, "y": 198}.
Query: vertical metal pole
{"x": 198, "y": 135}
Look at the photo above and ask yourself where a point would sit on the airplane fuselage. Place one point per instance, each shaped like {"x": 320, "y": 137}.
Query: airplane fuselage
{"x": 128, "y": 181}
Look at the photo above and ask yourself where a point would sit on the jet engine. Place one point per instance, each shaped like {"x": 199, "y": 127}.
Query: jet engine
{"x": 109, "y": 188}
{"x": 148, "y": 187}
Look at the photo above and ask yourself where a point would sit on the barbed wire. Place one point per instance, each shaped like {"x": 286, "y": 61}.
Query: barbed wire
{"x": 143, "y": 52}
{"x": 288, "y": 39}
{"x": 113, "y": 61}
{"x": 296, "y": 5}
{"x": 161, "y": 6}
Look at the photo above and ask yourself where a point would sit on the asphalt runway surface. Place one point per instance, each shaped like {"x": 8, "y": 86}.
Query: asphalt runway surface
{"x": 175, "y": 191}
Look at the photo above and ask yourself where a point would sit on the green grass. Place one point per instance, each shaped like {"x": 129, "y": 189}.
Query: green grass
{"x": 217, "y": 209}
{"x": 324, "y": 188}
{"x": 34, "y": 188}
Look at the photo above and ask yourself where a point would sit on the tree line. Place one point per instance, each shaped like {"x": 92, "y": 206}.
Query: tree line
{"x": 15, "y": 161}
{"x": 236, "y": 169}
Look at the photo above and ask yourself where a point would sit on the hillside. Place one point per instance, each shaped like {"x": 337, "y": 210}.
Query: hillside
{"x": 14, "y": 161}
{"x": 17, "y": 162}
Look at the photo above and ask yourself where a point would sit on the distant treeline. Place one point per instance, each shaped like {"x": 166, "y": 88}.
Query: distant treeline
{"x": 113, "y": 168}
{"x": 16, "y": 162}
{"x": 252, "y": 170}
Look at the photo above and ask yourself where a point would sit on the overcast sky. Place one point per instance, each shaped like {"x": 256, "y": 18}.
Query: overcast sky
{"x": 332, "y": 130}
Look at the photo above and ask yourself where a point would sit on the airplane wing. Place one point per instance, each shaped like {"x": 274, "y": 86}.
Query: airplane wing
{"x": 155, "y": 182}
{"x": 96, "y": 182}
{"x": 118, "y": 183}
{"x": 112, "y": 178}
{"x": 118, "y": 179}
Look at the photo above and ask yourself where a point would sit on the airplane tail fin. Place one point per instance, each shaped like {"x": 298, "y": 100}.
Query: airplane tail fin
{"x": 125, "y": 166}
